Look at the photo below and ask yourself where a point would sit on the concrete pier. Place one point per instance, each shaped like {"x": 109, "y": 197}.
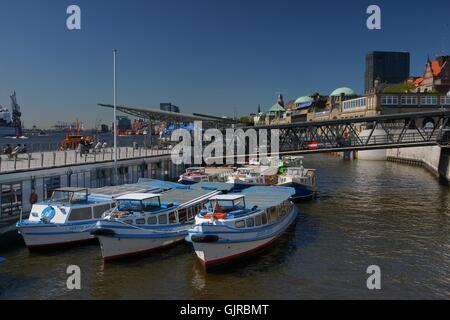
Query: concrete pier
{"x": 35, "y": 175}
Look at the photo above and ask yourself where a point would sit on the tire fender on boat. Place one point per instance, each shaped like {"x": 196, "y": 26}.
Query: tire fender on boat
{"x": 204, "y": 238}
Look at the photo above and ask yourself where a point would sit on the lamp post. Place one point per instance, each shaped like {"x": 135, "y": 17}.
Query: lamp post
{"x": 115, "y": 116}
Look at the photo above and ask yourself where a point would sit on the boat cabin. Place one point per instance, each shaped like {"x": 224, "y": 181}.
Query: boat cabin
{"x": 226, "y": 203}
{"x": 68, "y": 205}
{"x": 69, "y": 195}
{"x": 138, "y": 202}
{"x": 196, "y": 170}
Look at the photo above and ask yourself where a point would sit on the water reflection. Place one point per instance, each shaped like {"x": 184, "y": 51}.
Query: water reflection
{"x": 388, "y": 214}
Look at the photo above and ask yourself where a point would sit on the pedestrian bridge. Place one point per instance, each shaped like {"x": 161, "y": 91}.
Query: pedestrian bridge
{"x": 369, "y": 133}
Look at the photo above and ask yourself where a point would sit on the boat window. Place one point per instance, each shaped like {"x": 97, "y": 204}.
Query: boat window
{"x": 99, "y": 210}
{"x": 182, "y": 215}
{"x": 162, "y": 219}
{"x": 264, "y": 218}
{"x": 258, "y": 220}
{"x": 152, "y": 220}
{"x": 191, "y": 212}
{"x": 129, "y": 221}
{"x": 80, "y": 214}
{"x": 140, "y": 221}
{"x": 250, "y": 222}
{"x": 172, "y": 217}
{"x": 130, "y": 205}
{"x": 149, "y": 205}
{"x": 240, "y": 224}
{"x": 273, "y": 215}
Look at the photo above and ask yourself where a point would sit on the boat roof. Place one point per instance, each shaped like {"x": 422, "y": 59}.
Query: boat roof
{"x": 161, "y": 184}
{"x": 266, "y": 196}
{"x": 71, "y": 189}
{"x": 181, "y": 197}
{"x": 228, "y": 197}
{"x": 138, "y": 196}
{"x": 219, "y": 186}
{"x": 115, "y": 191}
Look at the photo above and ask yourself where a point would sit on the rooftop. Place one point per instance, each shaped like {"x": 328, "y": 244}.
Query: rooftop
{"x": 343, "y": 90}
{"x": 228, "y": 197}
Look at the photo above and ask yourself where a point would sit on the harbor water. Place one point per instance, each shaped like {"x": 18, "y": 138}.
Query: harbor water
{"x": 367, "y": 213}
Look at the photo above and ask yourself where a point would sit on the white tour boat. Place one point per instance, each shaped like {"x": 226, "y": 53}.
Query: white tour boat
{"x": 69, "y": 215}
{"x": 240, "y": 224}
{"x": 142, "y": 222}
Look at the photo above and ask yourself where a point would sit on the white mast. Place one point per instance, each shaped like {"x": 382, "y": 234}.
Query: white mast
{"x": 115, "y": 117}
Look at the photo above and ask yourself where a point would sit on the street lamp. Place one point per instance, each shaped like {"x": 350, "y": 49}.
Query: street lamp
{"x": 115, "y": 116}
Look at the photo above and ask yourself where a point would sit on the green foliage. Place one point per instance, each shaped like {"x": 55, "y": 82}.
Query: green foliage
{"x": 399, "y": 88}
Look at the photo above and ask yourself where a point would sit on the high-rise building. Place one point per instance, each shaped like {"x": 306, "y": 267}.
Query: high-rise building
{"x": 387, "y": 67}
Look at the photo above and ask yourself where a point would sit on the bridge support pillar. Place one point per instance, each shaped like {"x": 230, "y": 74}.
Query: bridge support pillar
{"x": 444, "y": 165}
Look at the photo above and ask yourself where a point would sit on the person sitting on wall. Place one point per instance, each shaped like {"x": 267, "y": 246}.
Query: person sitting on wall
{"x": 7, "y": 150}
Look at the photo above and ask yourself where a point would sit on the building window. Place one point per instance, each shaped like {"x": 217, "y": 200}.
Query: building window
{"x": 389, "y": 100}
{"x": 429, "y": 101}
{"x": 409, "y": 100}
{"x": 445, "y": 101}
{"x": 50, "y": 184}
{"x": 11, "y": 199}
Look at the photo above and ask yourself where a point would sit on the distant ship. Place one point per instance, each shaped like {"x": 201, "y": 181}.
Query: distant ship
{"x": 7, "y": 127}
{"x": 10, "y": 123}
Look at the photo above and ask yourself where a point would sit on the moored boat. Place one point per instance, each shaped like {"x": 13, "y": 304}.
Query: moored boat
{"x": 194, "y": 175}
{"x": 69, "y": 215}
{"x": 302, "y": 180}
{"x": 236, "y": 225}
{"x": 144, "y": 222}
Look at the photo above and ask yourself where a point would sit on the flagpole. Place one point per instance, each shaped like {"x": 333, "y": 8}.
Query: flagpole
{"x": 115, "y": 117}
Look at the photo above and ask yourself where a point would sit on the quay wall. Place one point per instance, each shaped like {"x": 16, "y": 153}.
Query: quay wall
{"x": 435, "y": 159}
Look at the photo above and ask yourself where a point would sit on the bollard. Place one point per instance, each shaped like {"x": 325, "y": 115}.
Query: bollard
{"x": 42, "y": 159}
{"x": 0, "y": 163}
{"x": 140, "y": 152}
{"x": 65, "y": 157}
{"x": 103, "y": 154}
{"x": 29, "y": 160}
{"x": 76, "y": 156}
{"x": 54, "y": 158}
{"x": 15, "y": 162}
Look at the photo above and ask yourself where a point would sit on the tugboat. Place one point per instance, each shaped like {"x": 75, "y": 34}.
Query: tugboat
{"x": 236, "y": 225}
{"x": 143, "y": 222}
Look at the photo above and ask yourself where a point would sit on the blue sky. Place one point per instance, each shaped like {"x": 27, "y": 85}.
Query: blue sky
{"x": 206, "y": 56}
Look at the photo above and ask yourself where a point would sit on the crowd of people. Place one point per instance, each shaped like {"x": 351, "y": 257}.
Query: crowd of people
{"x": 11, "y": 152}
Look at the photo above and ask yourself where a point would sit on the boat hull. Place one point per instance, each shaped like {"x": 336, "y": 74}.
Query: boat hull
{"x": 114, "y": 248}
{"x": 41, "y": 236}
{"x": 302, "y": 192}
{"x": 119, "y": 240}
{"x": 233, "y": 246}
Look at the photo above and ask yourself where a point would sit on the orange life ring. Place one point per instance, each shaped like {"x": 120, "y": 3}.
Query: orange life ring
{"x": 216, "y": 216}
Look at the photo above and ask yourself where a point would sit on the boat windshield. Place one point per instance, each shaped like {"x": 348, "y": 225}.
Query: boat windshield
{"x": 67, "y": 196}
{"x": 138, "y": 205}
{"x": 222, "y": 206}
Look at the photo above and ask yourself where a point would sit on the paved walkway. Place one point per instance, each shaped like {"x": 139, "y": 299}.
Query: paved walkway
{"x": 39, "y": 160}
